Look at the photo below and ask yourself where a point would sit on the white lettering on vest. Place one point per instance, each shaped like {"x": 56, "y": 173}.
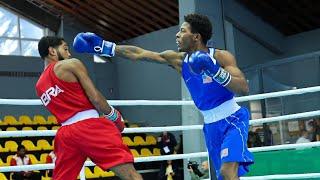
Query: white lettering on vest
{"x": 52, "y": 91}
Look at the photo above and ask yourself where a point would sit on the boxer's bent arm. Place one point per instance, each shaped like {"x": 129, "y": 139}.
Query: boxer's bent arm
{"x": 96, "y": 98}
{"x": 136, "y": 53}
{"x": 238, "y": 82}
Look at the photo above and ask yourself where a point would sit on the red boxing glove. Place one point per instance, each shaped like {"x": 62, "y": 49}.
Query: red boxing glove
{"x": 116, "y": 118}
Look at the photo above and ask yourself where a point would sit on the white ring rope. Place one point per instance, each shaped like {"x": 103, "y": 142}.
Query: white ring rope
{"x": 174, "y": 128}
{"x": 164, "y": 157}
{"x": 283, "y": 176}
{"x": 173, "y": 102}
{"x": 160, "y": 129}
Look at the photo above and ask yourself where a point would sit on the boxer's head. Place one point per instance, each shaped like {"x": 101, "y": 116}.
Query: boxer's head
{"x": 54, "y": 48}
{"x": 195, "y": 30}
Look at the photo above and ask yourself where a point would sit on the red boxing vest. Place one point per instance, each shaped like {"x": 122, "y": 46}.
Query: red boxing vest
{"x": 63, "y": 99}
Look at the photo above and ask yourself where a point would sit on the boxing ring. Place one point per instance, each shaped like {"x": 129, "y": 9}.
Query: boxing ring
{"x": 176, "y": 128}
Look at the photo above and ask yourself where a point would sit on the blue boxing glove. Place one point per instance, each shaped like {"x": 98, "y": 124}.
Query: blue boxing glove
{"x": 200, "y": 62}
{"x": 92, "y": 43}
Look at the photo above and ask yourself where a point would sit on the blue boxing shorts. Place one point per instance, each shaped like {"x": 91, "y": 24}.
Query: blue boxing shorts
{"x": 226, "y": 141}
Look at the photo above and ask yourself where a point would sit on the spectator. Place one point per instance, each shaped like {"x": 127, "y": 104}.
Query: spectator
{"x": 303, "y": 137}
{"x": 267, "y": 135}
{"x": 169, "y": 170}
{"x": 254, "y": 140}
{"x": 204, "y": 174}
{"x": 22, "y": 159}
{"x": 167, "y": 143}
{"x": 315, "y": 130}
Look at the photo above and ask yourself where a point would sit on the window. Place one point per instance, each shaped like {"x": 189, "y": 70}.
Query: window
{"x": 18, "y": 35}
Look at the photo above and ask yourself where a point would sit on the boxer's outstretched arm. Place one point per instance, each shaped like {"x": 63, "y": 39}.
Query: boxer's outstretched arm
{"x": 96, "y": 98}
{"x": 238, "y": 83}
{"x": 136, "y": 53}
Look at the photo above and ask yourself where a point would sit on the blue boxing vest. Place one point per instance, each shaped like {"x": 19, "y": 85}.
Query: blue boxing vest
{"x": 205, "y": 92}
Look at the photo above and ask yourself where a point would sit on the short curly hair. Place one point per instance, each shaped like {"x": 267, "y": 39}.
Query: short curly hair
{"x": 46, "y": 42}
{"x": 200, "y": 24}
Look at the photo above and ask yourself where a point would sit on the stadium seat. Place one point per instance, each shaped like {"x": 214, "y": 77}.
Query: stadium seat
{"x": 145, "y": 152}
{"x": 156, "y": 152}
{"x": 138, "y": 140}
{"x": 55, "y": 127}
{"x": 102, "y": 173}
{"x": 27, "y": 128}
{"x": 12, "y": 146}
{"x": 133, "y": 125}
{"x": 11, "y": 120}
{"x": 52, "y": 120}
{"x": 3, "y": 149}
{"x": 3, "y": 177}
{"x": 42, "y": 128}
{"x": 126, "y": 140}
{"x": 26, "y": 120}
{"x": 43, "y": 158}
{"x": 89, "y": 174}
{"x": 9, "y": 159}
{"x": 29, "y": 145}
{"x": 44, "y": 144}
{"x": 3, "y": 163}
{"x": 33, "y": 159}
{"x": 151, "y": 140}
{"x": 135, "y": 153}
{"x": 39, "y": 120}
{"x": 11, "y": 129}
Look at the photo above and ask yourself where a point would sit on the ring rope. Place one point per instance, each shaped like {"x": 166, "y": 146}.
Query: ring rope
{"x": 160, "y": 129}
{"x": 173, "y": 102}
{"x": 164, "y": 157}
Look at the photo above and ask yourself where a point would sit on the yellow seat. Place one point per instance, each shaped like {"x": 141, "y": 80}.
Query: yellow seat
{"x": 89, "y": 174}
{"x": 43, "y": 158}
{"x": 55, "y": 127}
{"x": 44, "y": 144}
{"x": 145, "y": 152}
{"x": 42, "y": 128}
{"x": 102, "y": 173}
{"x": 138, "y": 141}
{"x": 9, "y": 159}
{"x": 39, "y": 120}
{"x": 11, "y": 146}
{"x": 133, "y": 125}
{"x": 29, "y": 145}
{"x": 33, "y": 159}
{"x": 135, "y": 153}
{"x": 126, "y": 140}
{"x": 2, "y": 123}
{"x": 11, "y": 129}
{"x": 11, "y": 120}
{"x": 156, "y": 152}
{"x": 151, "y": 140}
{"x": 3, "y": 163}
{"x": 3, "y": 177}
{"x": 3, "y": 149}
{"x": 26, "y": 120}
{"x": 52, "y": 120}
{"x": 27, "y": 129}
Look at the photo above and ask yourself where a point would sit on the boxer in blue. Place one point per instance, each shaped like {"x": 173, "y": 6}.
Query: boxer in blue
{"x": 212, "y": 77}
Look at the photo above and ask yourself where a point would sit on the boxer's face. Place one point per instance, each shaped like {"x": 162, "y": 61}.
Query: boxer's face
{"x": 185, "y": 38}
{"x": 63, "y": 51}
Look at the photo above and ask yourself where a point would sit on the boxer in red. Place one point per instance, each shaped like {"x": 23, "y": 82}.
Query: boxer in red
{"x": 67, "y": 91}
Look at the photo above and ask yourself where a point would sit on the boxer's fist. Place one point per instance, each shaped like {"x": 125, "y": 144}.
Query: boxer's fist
{"x": 92, "y": 43}
{"x": 116, "y": 118}
{"x": 200, "y": 62}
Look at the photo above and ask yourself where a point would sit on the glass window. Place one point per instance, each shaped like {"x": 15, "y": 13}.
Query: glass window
{"x": 18, "y": 36}
{"x": 9, "y": 47}
{"x": 29, "y": 48}
{"x": 8, "y": 24}
{"x": 29, "y": 30}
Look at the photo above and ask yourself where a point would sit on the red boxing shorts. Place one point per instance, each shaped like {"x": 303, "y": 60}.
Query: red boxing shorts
{"x": 96, "y": 138}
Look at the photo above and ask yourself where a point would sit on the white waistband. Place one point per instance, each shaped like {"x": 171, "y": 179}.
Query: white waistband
{"x": 220, "y": 112}
{"x": 83, "y": 115}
